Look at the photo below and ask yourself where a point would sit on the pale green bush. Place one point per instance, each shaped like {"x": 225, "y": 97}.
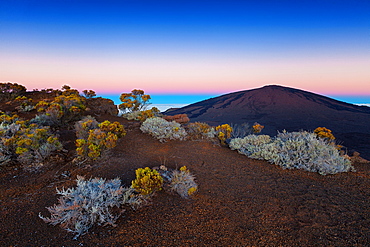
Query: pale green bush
{"x": 300, "y": 150}
{"x": 183, "y": 182}
{"x": 163, "y": 130}
{"x": 90, "y": 202}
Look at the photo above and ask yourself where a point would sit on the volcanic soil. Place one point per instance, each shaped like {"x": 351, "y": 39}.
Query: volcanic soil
{"x": 240, "y": 201}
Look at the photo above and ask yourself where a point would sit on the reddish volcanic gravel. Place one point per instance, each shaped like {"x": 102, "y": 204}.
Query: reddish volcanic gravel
{"x": 240, "y": 202}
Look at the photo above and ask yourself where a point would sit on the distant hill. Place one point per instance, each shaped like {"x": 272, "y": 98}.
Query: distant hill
{"x": 279, "y": 108}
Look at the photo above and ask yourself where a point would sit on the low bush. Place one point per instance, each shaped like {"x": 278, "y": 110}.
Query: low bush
{"x": 200, "y": 130}
{"x": 90, "y": 202}
{"x": 163, "y": 130}
{"x": 183, "y": 182}
{"x": 147, "y": 181}
{"x": 223, "y": 132}
{"x": 94, "y": 138}
{"x": 142, "y": 115}
{"x": 300, "y": 150}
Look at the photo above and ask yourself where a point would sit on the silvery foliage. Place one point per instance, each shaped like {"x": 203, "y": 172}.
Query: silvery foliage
{"x": 163, "y": 130}
{"x": 45, "y": 120}
{"x": 90, "y": 202}
{"x": 132, "y": 115}
{"x": 301, "y": 150}
{"x": 8, "y": 131}
{"x": 181, "y": 182}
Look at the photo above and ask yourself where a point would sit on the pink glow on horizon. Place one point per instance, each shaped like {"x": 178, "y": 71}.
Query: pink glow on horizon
{"x": 184, "y": 75}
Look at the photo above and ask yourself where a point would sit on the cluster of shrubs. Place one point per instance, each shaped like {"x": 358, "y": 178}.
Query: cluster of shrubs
{"x": 295, "y": 150}
{"x": 314, "y": 152}
{"x": 65, "y": 108}
{"x": 31, "y": 142}
{"x": 26, "y": 142}
{"x": 94, "y": 200}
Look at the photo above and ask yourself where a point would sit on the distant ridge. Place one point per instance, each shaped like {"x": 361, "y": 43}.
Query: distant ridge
{"x": 278, "y": 108}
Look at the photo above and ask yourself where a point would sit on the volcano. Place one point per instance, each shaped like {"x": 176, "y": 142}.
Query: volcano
{"x": 281, "y": 108}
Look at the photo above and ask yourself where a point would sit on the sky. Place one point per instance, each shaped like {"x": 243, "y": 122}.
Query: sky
{"x": 187, "y": 47}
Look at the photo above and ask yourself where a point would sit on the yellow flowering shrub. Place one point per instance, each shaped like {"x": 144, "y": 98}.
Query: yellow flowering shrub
{"x": 324, "y": 133}
{"x": 257, "y": 128}
{"x": 224, "y": 132}
{"x": 94, "y": 138}
{"x": 147, "y": 181}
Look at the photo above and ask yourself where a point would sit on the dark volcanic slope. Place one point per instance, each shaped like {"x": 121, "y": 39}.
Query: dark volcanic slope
{"x": 279, "y": 108}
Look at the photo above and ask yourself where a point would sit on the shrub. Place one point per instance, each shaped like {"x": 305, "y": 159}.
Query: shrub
{"x": 134, "y": 101}
{"x": 83, "y": 127}
{"x": 223, "y": 133}
{"x": 257, "y": 128}
{"x": 95, "y": 138}
{"x": 147, "y": 181}
{"x": 89, "y": 93}
{"x": 183, "y": 182}
{"x": 142, "y": 115}
{"x": 300, "y": 150}
{"x": 325, "y": 133}
{"x": 90, "y": 202}
{"x": 163, "y": 130}
{"x": 200, "y": 130}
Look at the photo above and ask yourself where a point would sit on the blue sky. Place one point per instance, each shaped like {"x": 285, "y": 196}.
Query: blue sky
{"x": 187, "y": 47}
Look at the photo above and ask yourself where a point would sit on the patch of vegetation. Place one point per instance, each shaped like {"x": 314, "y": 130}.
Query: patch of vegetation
{"x": 10, "y": 91}
{"x": 25, "y": 142}
{"x": 163, "y": 130}
{"x": 142, "y": 115}
{"x": 223, "y": 133}
{"x": 90, "y": 202}
{"x": 64, "y": 109}
{"x": 295, "y": 150}
{"x": 137, "y": 100}
{"x": 94, "y": 138}
{"x": 199, "y": 130}
{"x": 147, "y": 181}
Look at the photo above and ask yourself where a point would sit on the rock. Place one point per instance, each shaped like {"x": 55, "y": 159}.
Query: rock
{"x": 102, "y": 106}
{"x": 179, "y": 118}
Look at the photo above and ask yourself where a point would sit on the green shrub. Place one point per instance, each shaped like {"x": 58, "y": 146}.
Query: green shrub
{"x": 163, "y": 130}
{"x": 300, "y": 150}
